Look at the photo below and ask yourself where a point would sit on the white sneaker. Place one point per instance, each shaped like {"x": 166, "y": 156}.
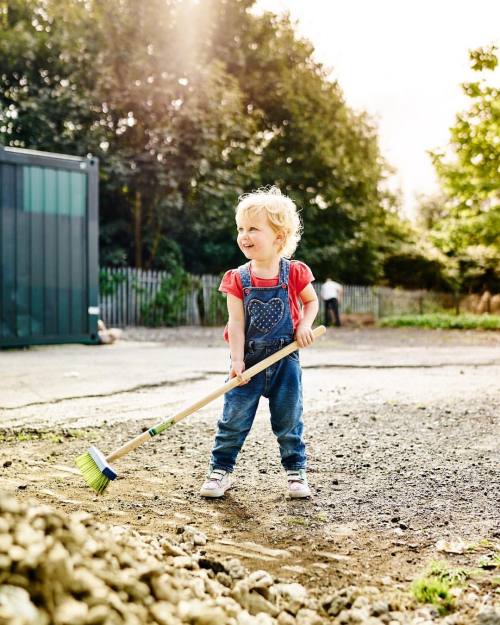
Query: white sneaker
{"x": 297, "y": 483}
{"x": 217, "y": 483}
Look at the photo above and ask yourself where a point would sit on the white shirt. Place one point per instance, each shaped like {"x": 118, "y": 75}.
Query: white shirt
{"x": 331, "y": 289}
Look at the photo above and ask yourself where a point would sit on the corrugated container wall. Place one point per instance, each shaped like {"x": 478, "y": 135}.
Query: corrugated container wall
{"x": 48, "y": 248}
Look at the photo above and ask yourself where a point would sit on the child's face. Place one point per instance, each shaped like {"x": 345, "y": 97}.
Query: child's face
{"x": 256, "y": 237}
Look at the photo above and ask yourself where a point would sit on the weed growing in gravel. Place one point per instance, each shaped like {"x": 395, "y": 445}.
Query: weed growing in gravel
{"x": 455, "y": 577}
{"x": 490, "y": 562}
{"x": 295, "y": 520}
{"x": 435, "y": 587}
{"x": 434, "y": 591}
{"x": 25, "y": 436}
{"x": 36, "y": 435}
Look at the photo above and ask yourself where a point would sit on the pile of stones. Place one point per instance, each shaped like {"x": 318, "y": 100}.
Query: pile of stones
{"x": 70, "y": 570}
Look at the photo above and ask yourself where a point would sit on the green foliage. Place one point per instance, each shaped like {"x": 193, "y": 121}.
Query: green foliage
{"x": 313, "y": 146}
{"x": 110, "y": 281}
{"x": 435, "y": 586}
{"x": 435, "y": 592}
{"x": 466, "y": 227}
{"x": 167, "y": 306}
{"x": 215, "y": 312}
{"x": 414, "y": 271}
{"x": 183, "y": 125}
{"x": 443, "y": 321}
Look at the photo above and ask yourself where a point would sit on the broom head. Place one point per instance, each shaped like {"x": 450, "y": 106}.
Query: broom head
{"x": 96, "y": 471}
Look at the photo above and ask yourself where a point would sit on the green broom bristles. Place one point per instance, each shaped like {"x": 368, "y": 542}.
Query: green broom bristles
{"x": 91, "y": 473}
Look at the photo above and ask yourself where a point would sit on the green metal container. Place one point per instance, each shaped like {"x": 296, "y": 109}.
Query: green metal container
{"x": 48, "y": 248}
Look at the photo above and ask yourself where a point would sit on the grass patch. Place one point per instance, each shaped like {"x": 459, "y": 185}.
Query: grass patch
{"x": 444, "y": 321}
{"x": 433, "y": 591}
{"x": 22, "y": 436}
{"x": 435, "y": 586}
{"x": 295, "y": 520}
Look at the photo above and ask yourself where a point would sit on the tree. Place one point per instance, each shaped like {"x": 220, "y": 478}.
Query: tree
{"x": 161, "y": 123}
{"x": 468, "y": 227}
{"x": 316, "y": 148}
{"x": 188, "y": 105}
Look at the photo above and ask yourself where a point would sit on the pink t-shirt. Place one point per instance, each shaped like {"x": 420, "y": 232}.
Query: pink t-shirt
{"x": 299, "y": 277}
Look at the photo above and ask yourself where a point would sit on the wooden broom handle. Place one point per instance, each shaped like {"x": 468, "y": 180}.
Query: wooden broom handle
{"x": 229, "y": 385}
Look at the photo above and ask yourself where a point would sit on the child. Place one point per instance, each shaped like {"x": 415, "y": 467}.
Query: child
{"x": 265, "y": 315}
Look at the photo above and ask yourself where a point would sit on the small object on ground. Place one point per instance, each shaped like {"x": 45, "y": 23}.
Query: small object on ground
{"x": 297, "y": 484}
{"x": 107, "y": 335}
{"x": 451, "y": 546}
{"x": 216, "y": 484}
{"x": 96, "y": 468}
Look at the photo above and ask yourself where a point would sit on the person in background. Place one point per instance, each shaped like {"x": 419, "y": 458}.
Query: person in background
{"x": 331, "y": 294}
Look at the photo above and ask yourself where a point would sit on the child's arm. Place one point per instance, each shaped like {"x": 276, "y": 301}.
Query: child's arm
{"x": 310, "y": 306}
{"x": 236, "y": 333}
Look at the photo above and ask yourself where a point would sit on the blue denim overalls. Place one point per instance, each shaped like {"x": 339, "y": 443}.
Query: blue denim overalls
{"x": 268, "y": 327}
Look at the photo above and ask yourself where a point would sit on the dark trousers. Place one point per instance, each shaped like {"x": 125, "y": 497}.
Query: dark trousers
{"x": 332, "y": 311}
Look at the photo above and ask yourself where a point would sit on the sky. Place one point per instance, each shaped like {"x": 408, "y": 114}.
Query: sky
{"x": 402, "y": 61}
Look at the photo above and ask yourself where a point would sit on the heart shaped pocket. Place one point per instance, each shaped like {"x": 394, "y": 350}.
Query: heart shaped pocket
{"x": 265, "y": 315}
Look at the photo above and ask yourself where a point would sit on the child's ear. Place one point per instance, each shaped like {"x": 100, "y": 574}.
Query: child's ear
{"x": 280, "y": 238}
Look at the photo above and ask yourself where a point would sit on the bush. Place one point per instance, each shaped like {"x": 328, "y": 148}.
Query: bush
{"x": 414, "y": 271}
{"x": 168, "y": 305}
{"x": 443, "y": 321}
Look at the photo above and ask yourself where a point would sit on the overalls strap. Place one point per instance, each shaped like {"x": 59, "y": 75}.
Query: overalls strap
{"x": 244, "y": 271}
{"x": 284, "y": 271}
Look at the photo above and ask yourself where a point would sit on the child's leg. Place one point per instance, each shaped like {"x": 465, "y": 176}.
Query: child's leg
{"x": 240, "y": 406}
{"x": 285, "y": 403}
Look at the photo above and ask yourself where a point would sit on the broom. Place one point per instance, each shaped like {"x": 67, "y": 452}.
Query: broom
{"x": 96, "y": 468}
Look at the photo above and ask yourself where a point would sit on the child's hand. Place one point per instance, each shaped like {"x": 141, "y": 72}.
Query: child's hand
{"x": 304, "y": 335}
{"x": 237, "y": 368}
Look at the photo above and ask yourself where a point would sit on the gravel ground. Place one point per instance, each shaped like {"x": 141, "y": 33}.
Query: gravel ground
{"x": 402, "y": 428}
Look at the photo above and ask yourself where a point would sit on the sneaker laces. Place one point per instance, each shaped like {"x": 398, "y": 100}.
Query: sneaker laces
{"x": 296, "y": 475}
{"x": 216, "y": 475}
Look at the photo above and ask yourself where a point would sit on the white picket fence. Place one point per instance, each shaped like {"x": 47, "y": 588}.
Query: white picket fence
{"x": 128, "y": 293}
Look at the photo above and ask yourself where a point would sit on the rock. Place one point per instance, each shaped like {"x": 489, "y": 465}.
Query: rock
{"x": 16, "y": 607}
{"x": 197, "y": 538}
{"x": 71, "y": 612}
{"x": 308, "y": 617}
{"x": 257, "y": 603}
{"x": 235, "y": 569}
{"x": 285, "y": 618}
{"x": 379, "y": 607}
{"x": 164, "y": 613}
{"x": 172, "y": 550}
{"x": 230, "y": 606}
{"x": 198, "y": 613}
{"x": 291, "y": 597}
{"x": 97, "y": 614}
{"x": 488, "y": 615}
{"x": 260, "y": 579}
{"x": 224, "y": 579}
{"x": 184, "y": 562}
{"x": 454, "y": 546}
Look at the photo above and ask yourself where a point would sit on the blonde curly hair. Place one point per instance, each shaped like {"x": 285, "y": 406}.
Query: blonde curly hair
{"x": 281, "y": 212}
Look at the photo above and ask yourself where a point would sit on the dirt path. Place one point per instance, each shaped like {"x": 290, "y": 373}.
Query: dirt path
{"x": 403, "y": 442}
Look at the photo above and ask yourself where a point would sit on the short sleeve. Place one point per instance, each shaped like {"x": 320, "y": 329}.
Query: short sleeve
{"x": 231, "y": 283}
{"x": 301, "y": 275}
